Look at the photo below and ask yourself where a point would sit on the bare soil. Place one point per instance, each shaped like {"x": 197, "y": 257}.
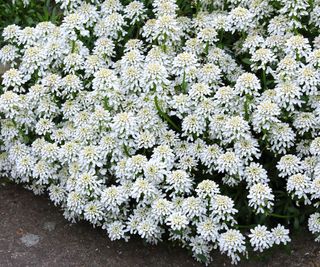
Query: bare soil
{"x": 34, "y": 233}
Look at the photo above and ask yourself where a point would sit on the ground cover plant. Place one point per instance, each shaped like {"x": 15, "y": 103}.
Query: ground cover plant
{"x": 193, "y": 121}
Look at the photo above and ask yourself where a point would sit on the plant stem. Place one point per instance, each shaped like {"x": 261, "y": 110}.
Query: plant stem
{"x": 184, "y": 84}
{"x": 206, "y": 50}
{"x": 126, "y": 150}
{"x": 245, "y": 226}
{"x": 73, "y": 48}
{"x": 220, "y": 43}
{"x": 164, "y": 115}
{"x": 280, "y": 216}
{"x": 246, "y": 107}
{"x": 264, "y": 79}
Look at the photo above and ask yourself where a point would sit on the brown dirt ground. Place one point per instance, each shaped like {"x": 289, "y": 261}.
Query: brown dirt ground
{"x": 33, "y": 232}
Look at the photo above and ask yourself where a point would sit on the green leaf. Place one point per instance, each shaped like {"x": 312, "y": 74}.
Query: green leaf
{"x": 177, "y": 232}
{"x": 164, "y": 116}
{"x": 246, "y": 61}
{"x": 202, "y": 257}
{"x": 30, "y": 21}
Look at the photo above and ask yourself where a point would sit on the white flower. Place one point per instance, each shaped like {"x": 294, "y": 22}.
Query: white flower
{"x": 299, "y": 185}
{"x": 207, "y": 228}
{"x": 315, "y": 188}
{"x": 155, "y": 76}
{"x": 305, "y": 122}
{"x": 210, "y": 74}
{"x": 315, "y": 147}
{"x": 199, "y": 90}
{"x": 308, "y": 78}
{"x": 289, "y": 164}
{"x": 260, "y": 197}
{"x": 135, "y": 11}
{"x": 222, "y": 208}
{"x": 252, "y": 42}
{"x": 104, "y": 47}
{"x": 161, "y": 207}
{"x": 179, "y": 181}
{"x": 229, "y": 163}
{"x": 165, "y": 7}
{"x": 75, "y": 202}
{"x": 10, "y": 32}
{"x": 239, "y": 19}
{"x": 260, "y": 238}
{"x": 280, "y": 235}
{"x": 183, "y": 63}
{"x": 192, "y": 207}
{"x": 200, "y": 247}
{"x": 8, "y": 53}
{"x": 112, "y": 198}
{"x": 236, "y": 128}
{"x": 266, "y": 114}
{"x": 281, "y": 137}
{"x": 104, "y": 79}
{"x": 14, "y": 79}
{"x": 232, "y": 242}
{"x": 208, "y": 36}
{"x": 142, "y": 187}
{"x": 149, "y": 230}
{"x": 125, "y": 124}
{"x": 155, "y": 171}
{"x": 263, "y": 57}
{"x": 167, "y": 30}
{"x": 255, "y": 173}
{"x": 209, "y": 155}
{"x": 93, "y": 212}
{"x": 44, "y": 126}
{"x": 116, "y": 230}
{"x": 165, "y": 154}
{"x": 89, "y": 157}
{"x": 207, "y": 188}
{"x": 57, "y": 194}
{"x": 193, "y": 124}
{"x": 288, "y": 94}
{"x": 177, "y": 221}
{"x": 298, "y": 45}
{"x": 314, "y": 225}
{"x": 248, "y": 83}
{"x": 87, "y": 182}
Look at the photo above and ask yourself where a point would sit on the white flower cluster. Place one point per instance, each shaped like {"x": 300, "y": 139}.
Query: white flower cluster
{"x": 261, "y": 238}
{"x": 144, "y": 119}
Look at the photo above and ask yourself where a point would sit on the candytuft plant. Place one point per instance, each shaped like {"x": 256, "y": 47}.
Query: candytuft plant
{"x": 193, "y": 121}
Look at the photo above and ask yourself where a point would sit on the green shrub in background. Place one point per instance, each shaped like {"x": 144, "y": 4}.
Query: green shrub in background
{"x": 28, "y": 13}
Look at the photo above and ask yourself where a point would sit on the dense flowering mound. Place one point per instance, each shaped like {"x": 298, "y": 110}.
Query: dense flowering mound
{"x": 194, "y": 122}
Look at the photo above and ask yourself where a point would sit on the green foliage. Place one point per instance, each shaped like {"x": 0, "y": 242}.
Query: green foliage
{"x": 30, "y": 15}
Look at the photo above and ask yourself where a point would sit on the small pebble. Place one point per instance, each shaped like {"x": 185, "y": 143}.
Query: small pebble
{"x": 30, "y": 240}
{"x": 49, "y": 226}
